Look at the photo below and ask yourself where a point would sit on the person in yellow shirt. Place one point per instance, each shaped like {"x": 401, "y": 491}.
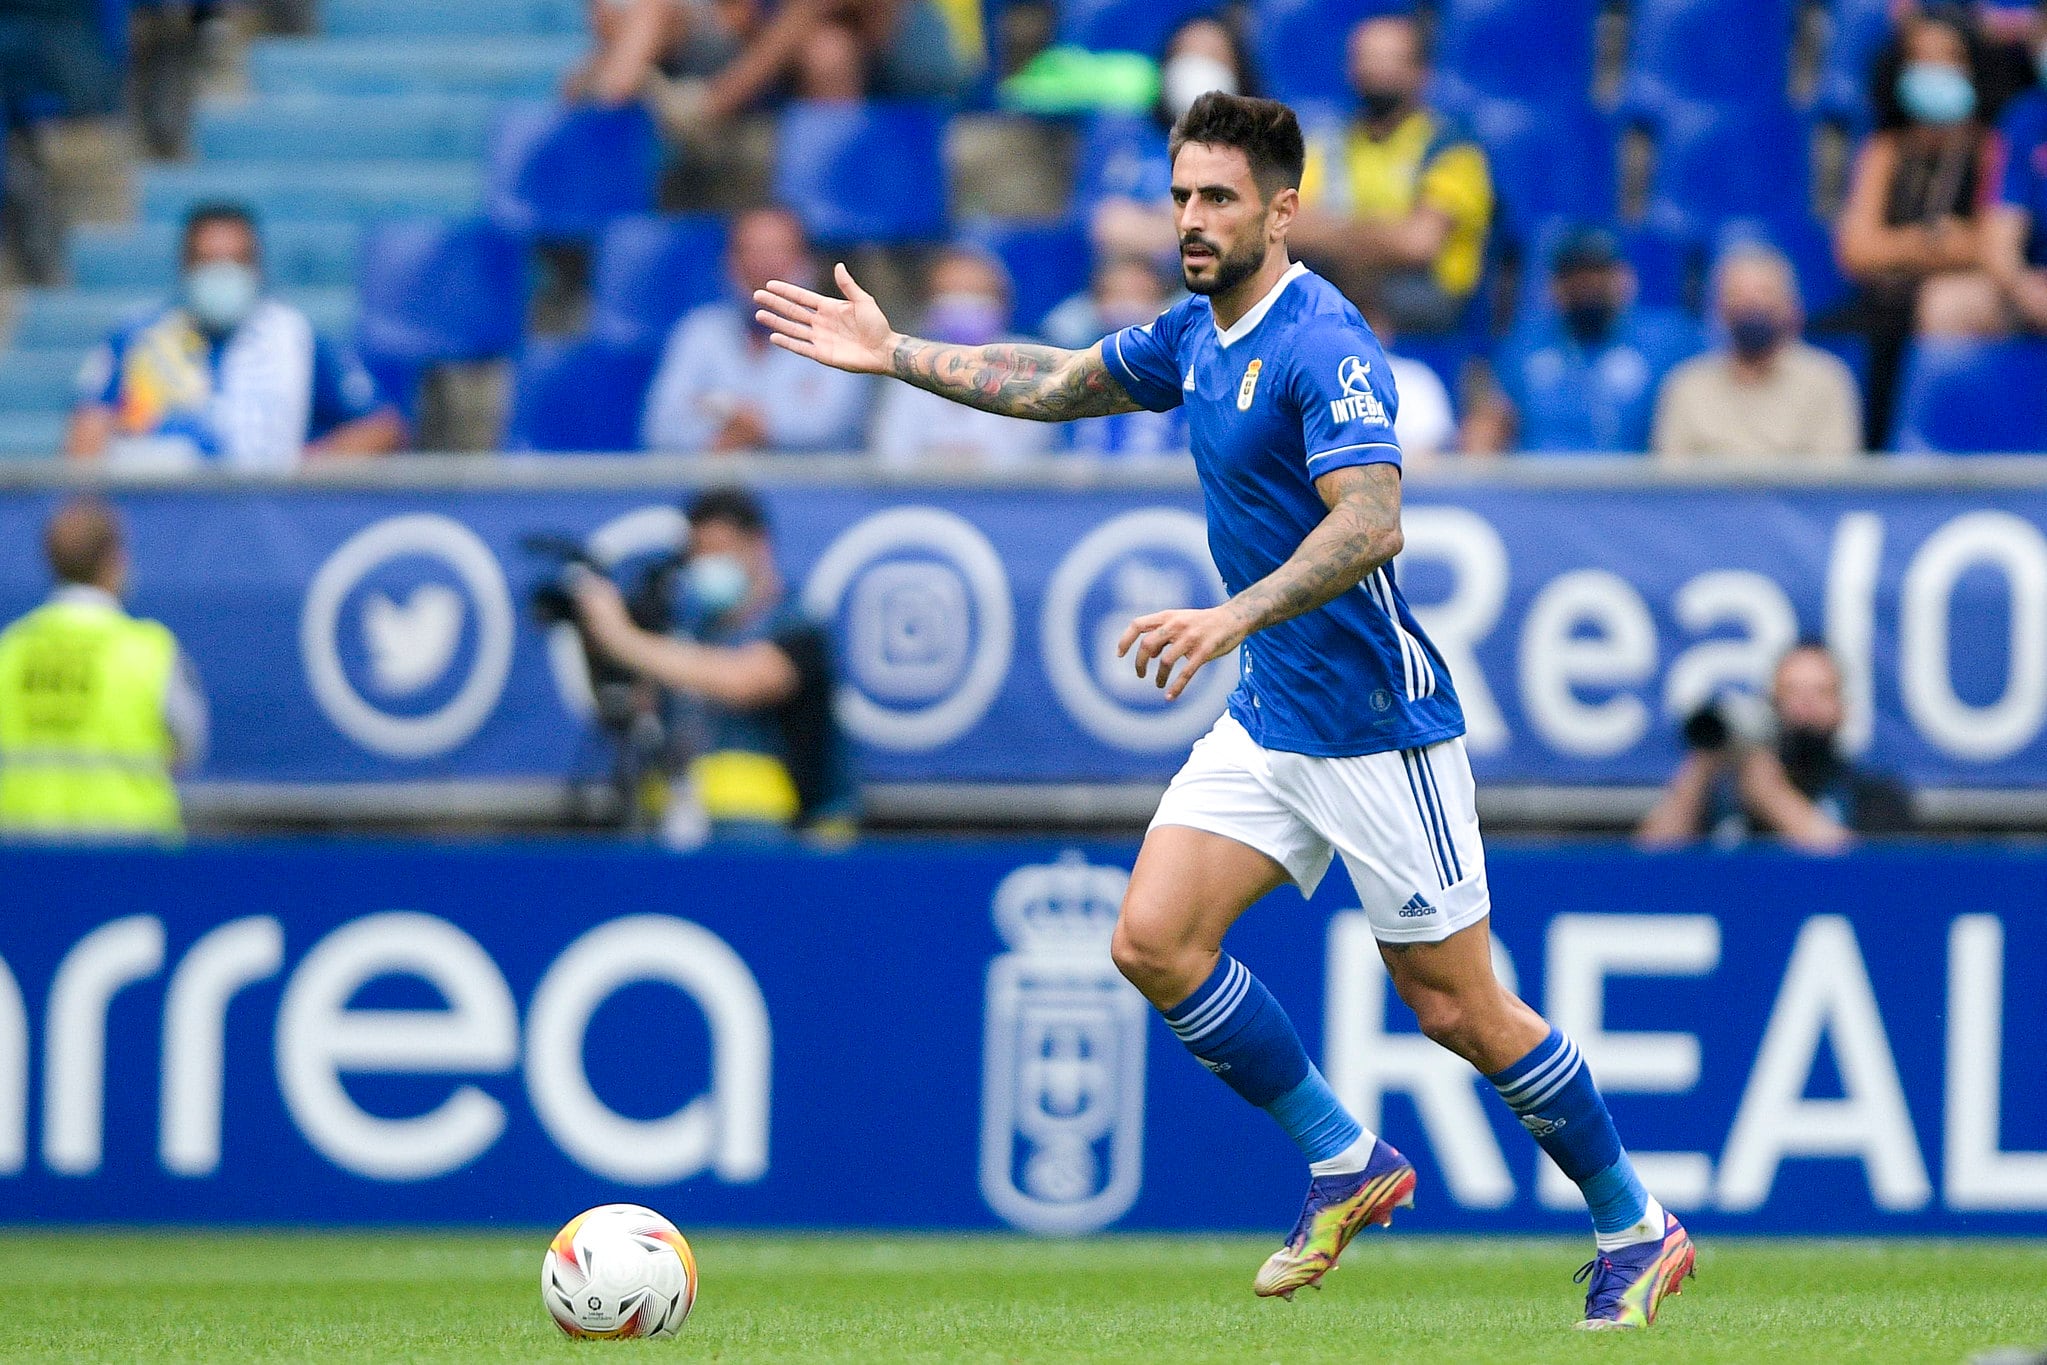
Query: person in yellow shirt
{"x": 96, "y": 706}
{"x": 1397, "y": 202}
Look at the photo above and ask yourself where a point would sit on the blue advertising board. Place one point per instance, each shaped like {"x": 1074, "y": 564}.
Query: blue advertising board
{"x": 931, "y": 1035}
{"x": 375, "y": 636}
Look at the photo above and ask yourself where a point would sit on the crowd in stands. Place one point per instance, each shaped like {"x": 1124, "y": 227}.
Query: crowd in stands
{"x": 1464, "y": 187}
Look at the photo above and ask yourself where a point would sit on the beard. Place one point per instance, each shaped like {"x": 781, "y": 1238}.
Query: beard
{"x": 1230, "y": 270}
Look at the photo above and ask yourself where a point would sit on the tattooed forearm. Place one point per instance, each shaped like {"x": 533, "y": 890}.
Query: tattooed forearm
{"x": 1042, "y": 383}
{"x": 1361, "y": 532}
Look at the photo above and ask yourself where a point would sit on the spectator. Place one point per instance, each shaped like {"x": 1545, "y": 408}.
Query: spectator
{"x": 1136, "y": 219}
{"x": 2015, "y": 230}
{"x": 721, "y": 386}
{"x": 1909, "y": 233}
{"x": 1766, "y": 394}
{"x": 96, "y": 707}
{"x": 1124, "y": 293}
{"x": 967, "y": 305}
{"x": 1425, "y": 423}
{"x": 227, "y": 375}
{"x": 1582, "y": 376}
{"x": 1397, "y": 205}
{"x": 753, "y": 677}
{"x": 56, "y": 62}
{"x": 635, "y": 41}
{"x": 1747, "y": 772}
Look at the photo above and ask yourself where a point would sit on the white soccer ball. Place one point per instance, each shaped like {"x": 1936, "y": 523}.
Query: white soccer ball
{"x": 619, "y": 1270}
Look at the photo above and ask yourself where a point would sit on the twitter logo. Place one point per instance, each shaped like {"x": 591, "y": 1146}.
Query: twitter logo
{"x": 411, "y": 644}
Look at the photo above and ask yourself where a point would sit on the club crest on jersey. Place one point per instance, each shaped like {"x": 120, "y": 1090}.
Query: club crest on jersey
{"x": 1249, "y": 386}
{"x": 1359, "y": 403}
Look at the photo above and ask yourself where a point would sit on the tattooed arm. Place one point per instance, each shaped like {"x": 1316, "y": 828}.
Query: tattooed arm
{"x": 1042, "y": 383}
{"x": 1361, "y": 532}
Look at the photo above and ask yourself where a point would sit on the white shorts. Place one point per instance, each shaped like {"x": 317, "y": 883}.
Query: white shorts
{"x": 1405, "y": 822}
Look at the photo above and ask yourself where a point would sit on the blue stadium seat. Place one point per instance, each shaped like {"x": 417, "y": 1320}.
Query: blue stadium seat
{"x": 42, "y": 380}
{"x": 1556, "y": 160}
{"x": 437, "y": 291}
{"x": 1858, "y": 29}
{"x": 433, "y": 18}
{"x": 1301, "y": 44}
{"x": 310, "y": 127}
{"x": 31, "y": 435}
{"x": 1808, "y": 243}
{"x": 504, "y": 68}
{"x": 1122, "y": 156}
{"x": 579, "y": 395}
{"x": 337, "y": 190}
{"x": 864, "y": 172}
{"x": 559, "y": 173}
{"x": 85, "y": 317}
{"x": 1723, "y": 52}
{"x": 1666, "y": 264}
{"x": 650, "y": 270}
{"x": 1537, "y": 51}
{"x": 1048, "y": 261}
{"x": 1941, "y": 401}
{"x": 1713, "y": 164}
{"x": 296, "y": 253}
{"x": 1125, "y": 25}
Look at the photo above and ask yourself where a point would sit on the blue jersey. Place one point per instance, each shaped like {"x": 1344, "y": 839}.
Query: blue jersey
{"x": 1297, "y": 388}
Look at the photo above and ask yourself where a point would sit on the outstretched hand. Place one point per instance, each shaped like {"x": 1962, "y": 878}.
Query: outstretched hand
{"x": 847, "y": 334}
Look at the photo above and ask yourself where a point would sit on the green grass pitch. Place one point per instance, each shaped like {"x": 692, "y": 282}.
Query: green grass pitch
{"x": 368, "y": 1297}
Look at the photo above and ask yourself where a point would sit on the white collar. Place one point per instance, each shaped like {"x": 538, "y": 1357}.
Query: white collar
{"x": 85, "y": 595}
{"x": 1247, "y": 324}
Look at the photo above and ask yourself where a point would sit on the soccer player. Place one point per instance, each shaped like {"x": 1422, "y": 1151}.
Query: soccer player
{"x": 1344, "y": 735}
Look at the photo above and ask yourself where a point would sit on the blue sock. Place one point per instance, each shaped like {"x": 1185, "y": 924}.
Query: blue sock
{"x": 1237, "y": 1030}
{"x": 1552, "y": 1093}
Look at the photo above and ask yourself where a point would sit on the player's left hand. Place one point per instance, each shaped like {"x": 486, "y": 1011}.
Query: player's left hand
{"x": 1189, "y": 637}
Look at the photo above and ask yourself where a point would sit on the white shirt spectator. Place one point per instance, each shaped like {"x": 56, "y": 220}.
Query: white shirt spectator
{"x": 915, "y": 427}
{"x": 712, "y": 367}
{"x": 1423, "y": 423}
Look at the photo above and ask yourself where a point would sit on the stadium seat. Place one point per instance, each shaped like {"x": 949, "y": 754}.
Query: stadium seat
{"x": 334, "y": 191}
{"x": 1122, "y": 156}
{"x": 1556, "y": 160}
{"x": 306, "y": 127}
{"x": 1125, "y": 25}
{"x": 651, "y": 270}
{"x": 436, "y": 291}
{"x": 1536, "y": 51}
{"x": 870, "y": 172}
{"x": 1720, "y": 52}
{"x": 31, "y": 435}
{"x": 1941, "y": 401}
{"x": 503, "y": 68}
{"x": 1858, "y": 29}
{"x": 579, "y": 394}
{"x": 85, "y": 317}
{"x": 1713, "y": 164}
{"x": 1666, "y": 263}
{"x": 558, "y": 173}
{"x": 1301, "y": 45}
{"x": 1048, "y": 261}
{"x": 145, "y": 255}
{"x": 44, "y": 380}
{"x": 1808, "y": 243}
{"x": 436, "y": 18}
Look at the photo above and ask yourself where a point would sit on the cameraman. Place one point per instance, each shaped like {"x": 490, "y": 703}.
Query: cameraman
{"x": 752, "y": 676}
{"x": 1780, "y": 772}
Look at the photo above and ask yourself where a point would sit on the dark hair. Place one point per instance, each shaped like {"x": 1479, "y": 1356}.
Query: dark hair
{"x": 732, "y": 505}
{"x": 1265, "y": 131}
{"x": 215, "y": 211}
{"x": 1890, "y": 61}
{"x": 82, "y": 539}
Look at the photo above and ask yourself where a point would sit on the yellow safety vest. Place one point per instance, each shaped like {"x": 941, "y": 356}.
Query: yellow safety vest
{"x": 83, "y": 745}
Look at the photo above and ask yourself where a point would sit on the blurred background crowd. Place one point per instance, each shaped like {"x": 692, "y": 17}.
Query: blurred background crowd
{"x": 251, "y": 231}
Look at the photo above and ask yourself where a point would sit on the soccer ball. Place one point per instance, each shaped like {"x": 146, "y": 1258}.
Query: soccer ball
{"x": 618, "y": 1270}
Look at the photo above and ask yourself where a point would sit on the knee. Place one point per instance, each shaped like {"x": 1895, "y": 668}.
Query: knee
{"x": 1961, "y": 305}
{"x": 831, "y": 66}
{"x": 1445, "y": 1019}
{"x": 1163, "y": 968}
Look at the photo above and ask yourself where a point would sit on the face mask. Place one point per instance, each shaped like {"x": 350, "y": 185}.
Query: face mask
{"x": 221, "y": 294}
{"x": 716, "y": 583}
{"x": 1591, "y": 321}
{"x": 1191, "y": 75}
{"x": 964, "y": 319}
{"x": 1754, "y": 335}
{"x": 1935, "y": 93}
{"x": 1380, "y": 104}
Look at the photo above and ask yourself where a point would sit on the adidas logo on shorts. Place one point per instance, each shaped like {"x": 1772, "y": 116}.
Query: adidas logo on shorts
{"x": 1417, "y": 907}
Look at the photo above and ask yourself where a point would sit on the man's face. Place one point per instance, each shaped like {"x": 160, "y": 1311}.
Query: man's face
{"x": 1754, "y": 289}
{"x": 1225, "y": 226}
{"x": 1386, "y": 61}
{"x": 767, "y": 245}
{"x": 1128, "y": 294}
{"x": 1585, "y": 287}
{"x": 715, "y": 537}
{"x": 1807, "y": 692}
{"x": 221, "y": 239}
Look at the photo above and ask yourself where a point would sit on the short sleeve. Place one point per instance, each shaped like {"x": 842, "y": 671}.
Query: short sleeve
{"x": 343, "y": 390}
{"x": 1339, "y": 379}
{"x": 2018, "y": 184}
{"x": 1146, "y": 362}
{"x": 99, "y": 377}
{"x": 1457, "y": 183}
